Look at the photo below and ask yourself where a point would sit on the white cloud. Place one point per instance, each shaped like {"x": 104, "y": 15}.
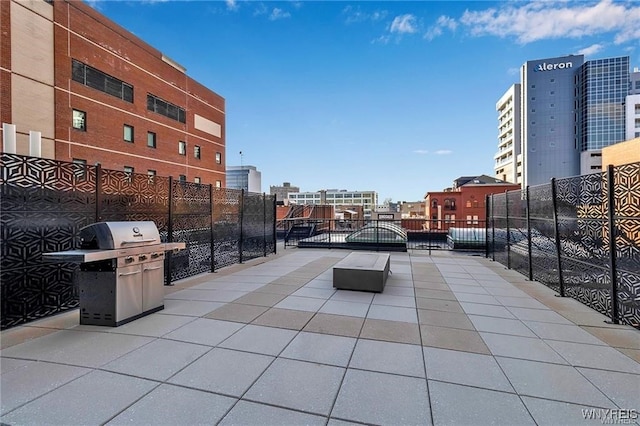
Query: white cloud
{"x": 355, "y": 14}
{"x": 278, "y": 13}
{"x": 443, "y": 152}
{"x": 591, "y": 50}
{"x": 549, "y": 20}
{"x": 383, "y": 39}
{"x": 404, "y": 24}
{"x": 443, "y": 22}
{"x": 232, "y": 4}
{"x": 421, "y": 151}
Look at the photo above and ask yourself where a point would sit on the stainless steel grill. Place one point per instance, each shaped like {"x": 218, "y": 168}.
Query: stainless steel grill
{"x": 121, "y": 276}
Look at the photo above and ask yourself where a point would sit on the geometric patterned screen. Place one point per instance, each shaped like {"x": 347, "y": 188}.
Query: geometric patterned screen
{"x": 44, "y": 203}
{"x": 582, "y": 214}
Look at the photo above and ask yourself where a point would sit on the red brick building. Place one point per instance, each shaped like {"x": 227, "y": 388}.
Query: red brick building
{"x": 98, "y": 94}
{"x": 463, "y": 205}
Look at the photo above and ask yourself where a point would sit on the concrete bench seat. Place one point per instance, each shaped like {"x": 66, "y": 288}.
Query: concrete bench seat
{"x": 362, "y": 271}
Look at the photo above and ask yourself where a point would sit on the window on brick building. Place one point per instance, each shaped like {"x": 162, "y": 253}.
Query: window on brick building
{"x": 128, "y": 133}
{"x": 79, "y": 120}
{"x": 160, "y": 106}
{"x": 218, "y": 184}
{"x": 196, "y": 180}
{"x": 182, "y": 148}
{"x": 218, "y": 158}
{"x": 196, "y": 151}
{"x": 182, "y": 178}
{"x": 80, "y": 171}
{"x": 151, "y": 174}
{"x": 151, "y": 139}
{"x": 128, "y": 171}
{"x": 96, "y": 79}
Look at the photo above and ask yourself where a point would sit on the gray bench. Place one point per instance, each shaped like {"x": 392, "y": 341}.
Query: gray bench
{"x": 362, "y": 271}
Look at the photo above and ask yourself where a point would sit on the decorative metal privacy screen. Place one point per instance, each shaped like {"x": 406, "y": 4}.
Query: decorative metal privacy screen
{"x": 45, "y": 202}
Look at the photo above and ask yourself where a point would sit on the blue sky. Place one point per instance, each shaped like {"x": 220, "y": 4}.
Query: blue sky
{"x": 395, "y": 97}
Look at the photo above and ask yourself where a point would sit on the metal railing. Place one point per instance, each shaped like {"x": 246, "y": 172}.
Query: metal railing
{"x": 580, "y": 236}
{"x": 45, "y": 202}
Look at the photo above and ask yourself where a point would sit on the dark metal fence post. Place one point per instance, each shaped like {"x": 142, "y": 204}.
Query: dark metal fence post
{"x": 168, "y": 267}
{"x": 275, "y": 230}
{"x": 493, "y": 228}
{"x": 556, "y": 230}
{"x": 98, "y": 192}
{"x": 529, "y": 234}
{"x": 506, "y": 203}
{"x": 487, "y": 214}
{"x": 212, "y": 236}
{"x": 264, "y": 223}
{"x": 612, "y": 244}
{"x": 240, "y": 239}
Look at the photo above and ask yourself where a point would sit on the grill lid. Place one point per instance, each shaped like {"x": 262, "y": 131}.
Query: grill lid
{"x": 117, "y": 235}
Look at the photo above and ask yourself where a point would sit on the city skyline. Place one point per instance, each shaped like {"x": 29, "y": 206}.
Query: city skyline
{"x": 393, "y": 97}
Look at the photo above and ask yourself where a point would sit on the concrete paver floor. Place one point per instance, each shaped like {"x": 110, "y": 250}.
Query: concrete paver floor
{"x": 453, "y": 339}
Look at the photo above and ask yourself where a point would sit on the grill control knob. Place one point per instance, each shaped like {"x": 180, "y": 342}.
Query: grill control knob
{"x": 142, "y": 257}
{"x": 128, "y": 259}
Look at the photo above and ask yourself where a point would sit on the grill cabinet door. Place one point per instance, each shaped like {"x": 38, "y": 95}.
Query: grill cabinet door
{"x": 152, "y": 285}
{"x": 128, "y": 292}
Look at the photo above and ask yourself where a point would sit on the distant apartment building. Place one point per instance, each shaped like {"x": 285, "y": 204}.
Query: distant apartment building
{"x": 632, "y": 105}
{"x": 464, "y": 204}
{"x": 621, "y": 153}
{"x": 75, "y": 86}
{"x": 508, "y": 161}
{"x": 282, "y": 192}
{"x": 412, "y": 209}
{"x": 569, "y": 110}
{"x": 244, "y": 177}
{"x": 367, "y": 199}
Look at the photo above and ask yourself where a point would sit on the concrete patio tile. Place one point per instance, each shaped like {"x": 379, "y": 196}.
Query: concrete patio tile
{"x": 206, "y": 295}
{"x": 260, "y": 299}
{"x": 453, "y": 338}
{"x": 551, "y": 381}
{"x": 260, "y": 339}
{"x": 80, "y": 348}
{"x": 353, "y": 296}
{"x": 539, "y": 315}
{"x": 299, "y": 385}
{"x": 390, "y": 331}
{"x": 594, "y": 356}
{"x": 521, "y": 302}
{"x": 477, "y": 298}
{"x": 467, "y": 288}
{"x": 192, "y": 308}
{"x": 205, "y": 331}
{"x": 465, "y": 368}
{"x": 509, "y": 292}
{"x": 301, "y": 303}
{"x": 284, "y": 318}
{"x": 621, "y": 388}
{"x": 553, "y": 413}
{"x": 276, "y": 289}
{"x": 435, "y": 294}
{"x": 563, "y": 332}
{"x": 634, "y": 354}
{"x": 154, "y": 325}
{"x": 393, "y": 313}
{"x": 617, "y": 337}
{"x": 388, "y": 357}
{"x": 8, "y": 364}
{"x": 338, "y": 325}
{"x": 250, "y": 413}
{"x": 320, "y": 348}
{"x": 69, "y": 404}
{"x": 445, "y": 319}
{"x": 338, "y": 307}
{"x": 431, "y": 285}
{"x": 456, "y": 404}
{"x": 320, "y": 283}
{"x": 399, "y": 291}
{"x": 237, "y": 312}
{"x": 30, "y": 379}
{"x": 390, "y": 300}
{"x": 223, "y": 371}
{"x": 439, "y": 305}
{"x": 15, "y": 336}
{"x": 500, "y": 326}
{"x": 486, "y": 310}
{"x": 136, "y": 363}
{"x": 521, "y": 347}
{"x": 380, "y": 398}
{"x": 173, "y": 405}
{"x": 318, "y": 293}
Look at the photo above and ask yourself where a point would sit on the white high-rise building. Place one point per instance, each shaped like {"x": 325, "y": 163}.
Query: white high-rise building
{"x": 632, "y": 103}
{"x": 508, "y": 161}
